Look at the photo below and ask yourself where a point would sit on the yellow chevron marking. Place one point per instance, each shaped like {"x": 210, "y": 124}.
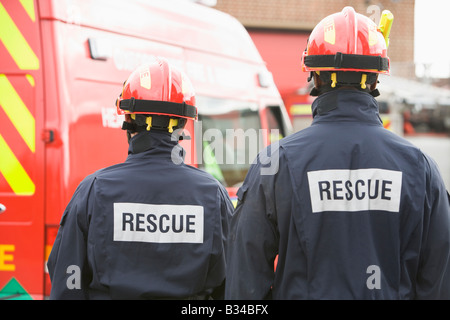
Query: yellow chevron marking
{"x": 17, "y": 112}
{"x": 28, "y": 5}
{"x": 15, "y": 43}
{"x": 13, "y": 171}
{"x": 30, "y": 79}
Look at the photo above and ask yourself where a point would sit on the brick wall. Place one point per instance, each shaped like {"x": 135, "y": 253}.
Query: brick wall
{"x": 302, "y": 16}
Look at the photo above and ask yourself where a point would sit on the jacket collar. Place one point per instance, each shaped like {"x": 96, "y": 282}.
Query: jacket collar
{"x": 156, "y": 143}
{"x": 346, "y": 105}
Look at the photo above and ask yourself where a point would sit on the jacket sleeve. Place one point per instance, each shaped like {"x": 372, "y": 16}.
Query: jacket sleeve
{"x": 67, "y": 263}
{"x": 218, "y": 267}
{"x": 433, "y": 280}
{"x": 253, "y": 236}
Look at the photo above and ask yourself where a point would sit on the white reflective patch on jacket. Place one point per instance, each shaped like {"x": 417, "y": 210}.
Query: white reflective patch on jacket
{"x": 355, "y": 190}
{"x": 157, "y": 223}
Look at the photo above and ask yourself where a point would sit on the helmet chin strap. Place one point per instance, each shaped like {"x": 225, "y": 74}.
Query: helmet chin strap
{"x": 324, "y": 88}
{"x": 340, "y": 79}
{"x": 139, "y": 123}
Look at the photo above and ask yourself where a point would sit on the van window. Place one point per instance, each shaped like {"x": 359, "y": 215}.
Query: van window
{"x": 230, "y": 138}
{"x": 275, "y": 121}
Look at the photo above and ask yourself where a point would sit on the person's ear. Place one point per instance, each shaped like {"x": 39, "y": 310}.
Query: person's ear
{"x": 373, "y": 86}
{"x": 317, "y": 82}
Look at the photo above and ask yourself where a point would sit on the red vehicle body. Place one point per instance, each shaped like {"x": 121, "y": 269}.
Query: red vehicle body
{"x": 62, "y": 64}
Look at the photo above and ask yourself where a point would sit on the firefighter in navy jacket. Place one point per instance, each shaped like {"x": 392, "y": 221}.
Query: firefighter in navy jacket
{"x": 151, "y": 227}
{"x": 353, "y": 211}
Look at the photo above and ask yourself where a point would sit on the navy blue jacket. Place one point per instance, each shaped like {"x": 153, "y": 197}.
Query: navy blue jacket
{"x": 349, "y": 209}
{"x": 151, "y": 227}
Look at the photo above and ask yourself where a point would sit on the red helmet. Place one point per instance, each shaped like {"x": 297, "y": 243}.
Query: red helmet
{"x": 158, "y": 88}
{"x": 346, "y": 41}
